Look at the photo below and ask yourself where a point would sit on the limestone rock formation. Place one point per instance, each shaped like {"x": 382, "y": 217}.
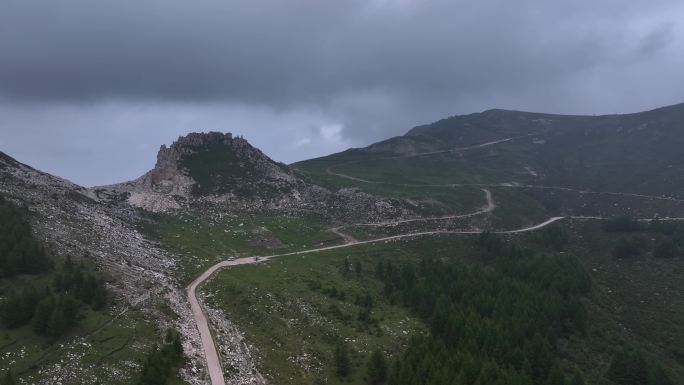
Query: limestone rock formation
{"x": 219, "y": 172}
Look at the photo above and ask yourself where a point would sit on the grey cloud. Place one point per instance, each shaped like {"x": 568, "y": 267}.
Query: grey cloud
{"x": 283, "y": 53}
{"x": 112, "y": 142}
{"x": 374, "y": 68}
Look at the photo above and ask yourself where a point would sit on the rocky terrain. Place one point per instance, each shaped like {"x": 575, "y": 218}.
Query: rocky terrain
{"x": 199, "y": 174}
{"x": 208, "y": 177}
{"x": 218, "y": 172}
{"x": 72, "y": 221}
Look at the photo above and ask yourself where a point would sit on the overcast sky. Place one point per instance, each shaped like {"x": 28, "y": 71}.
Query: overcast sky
{"x": 89, "y": 90}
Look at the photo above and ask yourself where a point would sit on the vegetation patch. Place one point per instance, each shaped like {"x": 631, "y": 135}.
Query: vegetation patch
{"x": 204, "y": 241}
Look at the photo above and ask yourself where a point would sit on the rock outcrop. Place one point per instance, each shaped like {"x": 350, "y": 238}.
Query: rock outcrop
{"x": 181, "y": 176}
{"x": 217, "y": 172}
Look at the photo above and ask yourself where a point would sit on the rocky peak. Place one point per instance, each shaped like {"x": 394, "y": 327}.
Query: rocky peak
{"x": 211, "y": 165}
{"x": 186, "y": 145}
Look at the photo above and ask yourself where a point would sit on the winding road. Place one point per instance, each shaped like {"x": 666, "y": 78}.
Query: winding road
{"x": 330, "y": 171}
{"x": 214, "y": 366}
{"x": 211, "y": 353}
{"x": 489, "y": 207}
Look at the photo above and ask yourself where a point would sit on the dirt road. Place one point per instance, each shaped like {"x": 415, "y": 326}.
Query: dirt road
{"x": 330, "y": 171}
{"x": 212, "y": 356}
{"x": 487, "y": 208}
{"x": 210, "y": 351}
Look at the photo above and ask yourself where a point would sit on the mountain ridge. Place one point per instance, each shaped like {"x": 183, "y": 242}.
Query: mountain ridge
{"x": 589, "y": 152}
{"x": 213, "y": 195}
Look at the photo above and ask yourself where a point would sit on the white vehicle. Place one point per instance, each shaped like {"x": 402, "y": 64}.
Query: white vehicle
{"x": 232, "y": 258}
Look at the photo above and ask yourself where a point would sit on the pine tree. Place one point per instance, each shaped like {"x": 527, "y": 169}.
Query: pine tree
{"x": 100, "y": 296}
{"x": 665, "y": 249}
{"x": 177, "y": 345}
{"x": 8, "y": 378}
{"x": 377, "y": 368}
{"x": 380, "y": 270}
{"x": 11, "y": 311}
{"x": 342, "y": 362}
{"x": 58, "y": 323}
{"x": 43, "y": 315}
{"x": 18, "y": 308}
{"x": 155, "y": 370}
{"x": 20, "y": 252}
{"x": 577, "y": 379}
{"x": 556, "y": 377}
{"x": 629, "y": 367}
{"x": 68, "y": 264}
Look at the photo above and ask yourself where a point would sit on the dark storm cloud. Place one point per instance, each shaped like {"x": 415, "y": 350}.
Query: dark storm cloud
{"x": 285, "y": 52}
{"x": 338, "y": 72}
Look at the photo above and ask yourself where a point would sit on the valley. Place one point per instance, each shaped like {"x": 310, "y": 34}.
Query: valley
{"x": 276, "y": 274}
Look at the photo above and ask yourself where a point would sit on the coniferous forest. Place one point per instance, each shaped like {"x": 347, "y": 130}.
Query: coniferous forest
{"x": 50, "y": 308}
{"x": 20, "y": 252}
{"x": 161, "y": 361}
{"x": 498, "y": 322}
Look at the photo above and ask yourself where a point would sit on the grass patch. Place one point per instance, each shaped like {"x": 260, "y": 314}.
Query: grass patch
{"x": 203, "y": 241}
{"x": 296, "y": 309}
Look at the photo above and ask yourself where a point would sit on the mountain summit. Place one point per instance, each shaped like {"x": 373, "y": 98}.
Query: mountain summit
{"x": 207, "y": 166}
{"x": 220, "y": 172}
{"x": 638, "y": 153}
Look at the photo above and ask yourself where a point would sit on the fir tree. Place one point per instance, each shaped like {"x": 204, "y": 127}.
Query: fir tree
{"x": 8, "y": 378}
{"x": 377, "y": 368}
{"x": 556, "y": 377}
{"x": 577, "y": 379}
{"x": 341, "y": 358}
{"x": 43, "y": 315}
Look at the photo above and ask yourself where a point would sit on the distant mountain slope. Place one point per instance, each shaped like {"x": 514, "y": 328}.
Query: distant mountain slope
{"x": 638, "y": 153}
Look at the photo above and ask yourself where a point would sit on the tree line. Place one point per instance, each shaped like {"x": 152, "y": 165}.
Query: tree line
{"x": 161, "y": 361}
{"x": 53, "y": 309}
{"x": 20, "y": 252}
{"x": 668, "y": 235}
{"x": 376, "y": 365}
{"x": 8, "y": 378}
{"x": 489, "y": 324}
{"x": 632, "y": 367}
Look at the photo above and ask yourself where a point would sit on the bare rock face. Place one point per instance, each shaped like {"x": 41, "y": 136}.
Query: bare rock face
{"x": 211, "y": 167}
{"x": 72, "y": 221}
{"x": 167, "y": 186}
{"x": 217, "y": 172}
{"x": 167, "y": 174}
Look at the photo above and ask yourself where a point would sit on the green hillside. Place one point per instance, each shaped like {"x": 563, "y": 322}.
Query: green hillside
{"x": 635, "y": 154}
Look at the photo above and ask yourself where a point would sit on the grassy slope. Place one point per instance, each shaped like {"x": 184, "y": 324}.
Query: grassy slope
{"x": 203, "y": 241}
{"x": 627, "y": 153}
{"x": 294, "y": 324}
{"x": 285, "y": 317}
{"x": 635, "y": 302}
{"x": 110, "y": 345}
{"x": 105, "y": 344}
{"x": 289, "y": 320}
